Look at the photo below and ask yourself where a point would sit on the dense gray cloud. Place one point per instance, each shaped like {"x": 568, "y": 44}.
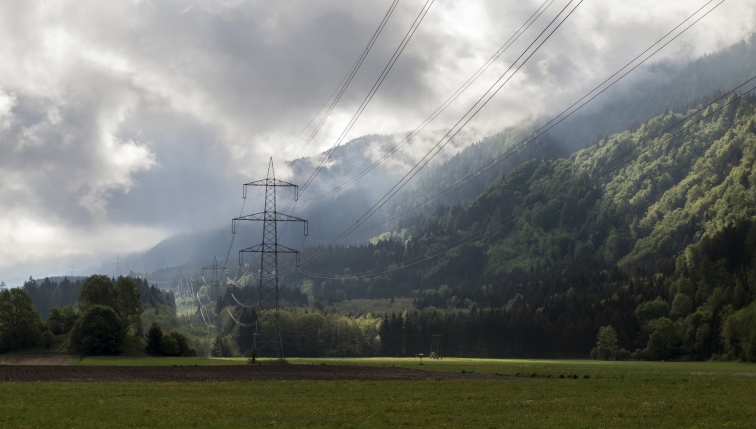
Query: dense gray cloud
{"x": 124, "y": 122}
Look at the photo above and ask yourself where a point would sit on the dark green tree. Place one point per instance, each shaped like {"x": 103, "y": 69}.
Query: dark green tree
{"x": 61, "y": 321}
{"x": 98, "y": 290}
{"x": 129, "y": 303}
{"x": 651, "y": 310}
{"x": 664, "y": 340}
{"x": 606, "y": 343}
{"x": 122, "y": 296}
{"x": 182, "y": 345}
{"x": 55, "y": 321}
{"x": 99, "y": 331}
{"x": 155, "y": 340}
{"x": 20, "y": 324}
{"x": 47, "y": 339}
{"x": 681, "y": 306}
{"x": 169, "y": 346}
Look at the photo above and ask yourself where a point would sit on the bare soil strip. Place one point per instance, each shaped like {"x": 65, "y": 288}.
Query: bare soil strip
{"x": 48, "y": 359}
{"x": 222, "y": 373}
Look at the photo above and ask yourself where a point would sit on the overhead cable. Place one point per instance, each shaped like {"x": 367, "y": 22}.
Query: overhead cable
{"x": 512, "y": 39}
{"x": 550, "y": 124}
{"x": 545, "y": 201}
{"x": 471, "y": 113}
{"x": 373, "y": 90}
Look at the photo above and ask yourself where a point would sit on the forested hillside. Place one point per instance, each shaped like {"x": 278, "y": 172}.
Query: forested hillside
{"x": 645, "y": 248}
{"x": 664, "y": 86}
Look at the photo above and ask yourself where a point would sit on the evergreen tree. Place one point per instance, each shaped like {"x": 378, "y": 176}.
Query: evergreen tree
{"x": 155, "y": 340}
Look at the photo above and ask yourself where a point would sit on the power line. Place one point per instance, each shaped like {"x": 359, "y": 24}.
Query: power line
{"x": 359, "y": 222}
{"x": 350, "y": 75}
{"x": 482, "y": 101}
{"x": 373, "y": 90}
{"x": 341, "y": 88}
{"x": 550, "y": 124}
{"x": 476, "y": 107}
{"x": 512, "y": 39}
{"x": 550, "y": 199}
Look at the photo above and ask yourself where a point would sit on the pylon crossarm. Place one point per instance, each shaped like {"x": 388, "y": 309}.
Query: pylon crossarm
{"x": 271, "y": 182}
{"x": 260, "y": 248}
{"x": 263, "y": 216}
{"x": 268, "y": 248}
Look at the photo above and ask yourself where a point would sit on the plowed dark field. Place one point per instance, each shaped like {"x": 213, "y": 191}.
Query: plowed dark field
{"x": 221, "y": 373}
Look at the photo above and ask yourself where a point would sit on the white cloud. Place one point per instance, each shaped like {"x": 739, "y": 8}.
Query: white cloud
{"x": 122, "y": 121}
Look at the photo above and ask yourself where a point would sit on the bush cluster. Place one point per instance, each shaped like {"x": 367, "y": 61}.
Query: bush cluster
{"x": 171, "y": 344}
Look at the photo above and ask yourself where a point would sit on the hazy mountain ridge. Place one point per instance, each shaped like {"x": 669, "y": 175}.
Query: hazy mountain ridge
{"x": 663, "y": 87}
{"x": 646, "y": 212}
{"x": 667, "y": 87}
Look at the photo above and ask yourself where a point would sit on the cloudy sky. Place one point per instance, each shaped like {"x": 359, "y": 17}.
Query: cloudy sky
{"x": 124, "y": 122}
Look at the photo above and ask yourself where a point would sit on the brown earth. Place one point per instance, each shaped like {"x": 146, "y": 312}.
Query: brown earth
{"x": 223, "y": 373}
{"x": 50, "y": 359}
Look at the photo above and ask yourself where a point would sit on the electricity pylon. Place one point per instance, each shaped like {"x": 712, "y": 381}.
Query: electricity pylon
{"x": 267, "y": 293}
{"x": 216, "y": 271}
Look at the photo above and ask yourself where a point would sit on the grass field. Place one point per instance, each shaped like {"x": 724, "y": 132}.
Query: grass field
{"x": 615, "y": 394}
{"x": 557, "y": 368}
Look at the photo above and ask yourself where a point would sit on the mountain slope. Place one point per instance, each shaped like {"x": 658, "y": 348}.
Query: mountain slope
{"x": 664, "y": 87}
{"x": 660, "y": 248}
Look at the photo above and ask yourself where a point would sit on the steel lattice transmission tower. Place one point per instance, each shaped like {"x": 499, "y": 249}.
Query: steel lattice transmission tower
{"x": 267, "y": 293}
{"x": 216, "y": 282}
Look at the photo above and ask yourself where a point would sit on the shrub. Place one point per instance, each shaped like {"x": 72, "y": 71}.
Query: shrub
{"x": 183, "y": 344}
{"x": 99, "y": 331}
{"x": 169, "y": 346}
{"x": 47, "y": 339}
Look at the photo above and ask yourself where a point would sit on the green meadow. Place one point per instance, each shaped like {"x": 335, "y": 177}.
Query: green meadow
{"x": 591, "y": 394}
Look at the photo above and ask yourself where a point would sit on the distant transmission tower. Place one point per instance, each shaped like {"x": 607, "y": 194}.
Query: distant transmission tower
{"x": 267, "y": 293}
{"x": 118, "y": 270}
{"x": 215, "y": 273}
